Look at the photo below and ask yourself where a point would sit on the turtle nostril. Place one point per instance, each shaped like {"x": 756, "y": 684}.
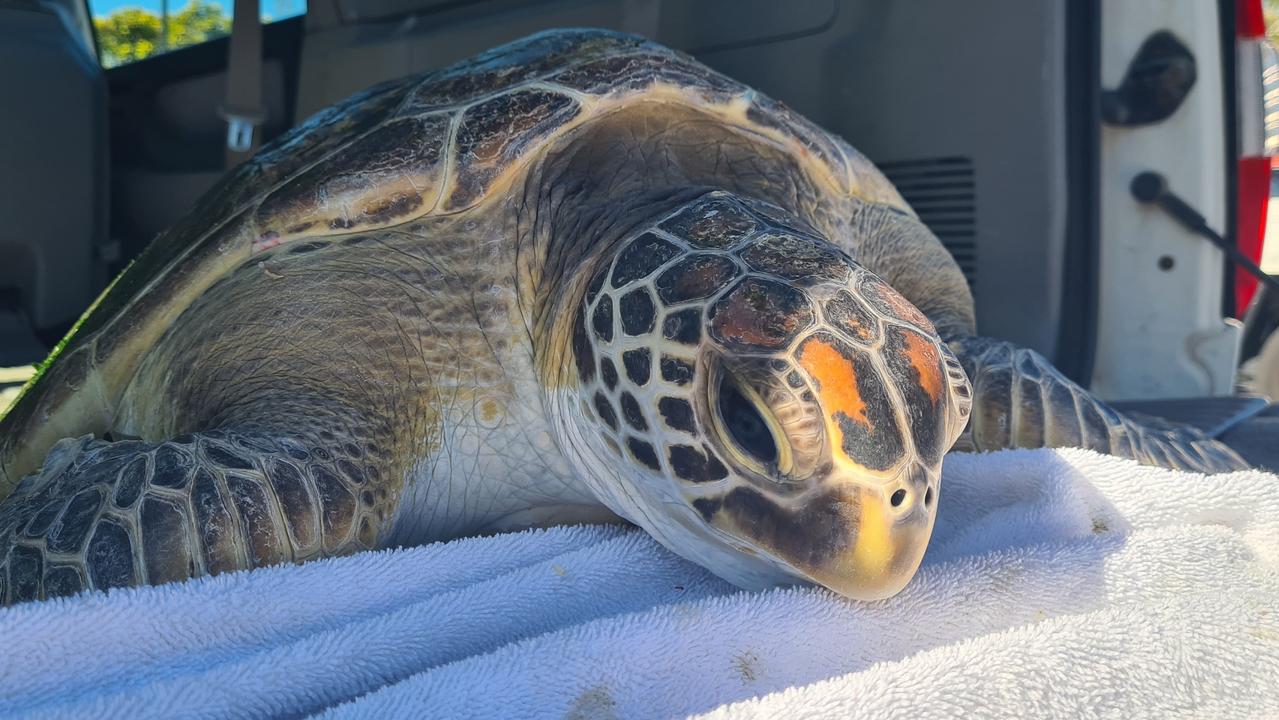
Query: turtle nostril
{"x": 898, "y": 498}
{"x": 928, "y": 498}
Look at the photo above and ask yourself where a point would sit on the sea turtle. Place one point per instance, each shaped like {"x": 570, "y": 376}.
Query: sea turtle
{"x": 578, "y": 277}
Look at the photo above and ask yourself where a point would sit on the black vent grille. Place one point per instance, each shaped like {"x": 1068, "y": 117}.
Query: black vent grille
{"x": 943, "y": 191}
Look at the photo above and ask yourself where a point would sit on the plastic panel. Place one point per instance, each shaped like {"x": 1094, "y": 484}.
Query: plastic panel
{"x": 53, "y": 182}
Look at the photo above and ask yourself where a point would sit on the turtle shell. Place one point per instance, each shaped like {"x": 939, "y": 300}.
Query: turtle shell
{"x": 441, "y": 143}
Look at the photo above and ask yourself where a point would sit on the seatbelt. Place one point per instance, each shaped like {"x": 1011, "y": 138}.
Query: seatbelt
{"x": 243, "y": 110}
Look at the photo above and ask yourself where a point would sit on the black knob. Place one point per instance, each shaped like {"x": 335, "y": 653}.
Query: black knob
{"x": 1148, "y": 187}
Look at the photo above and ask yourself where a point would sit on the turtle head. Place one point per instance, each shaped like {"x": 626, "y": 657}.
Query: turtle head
{"x": 762, "y": 404}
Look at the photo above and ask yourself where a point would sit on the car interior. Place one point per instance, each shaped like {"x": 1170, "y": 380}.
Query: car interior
{"x": 975, "y": 135}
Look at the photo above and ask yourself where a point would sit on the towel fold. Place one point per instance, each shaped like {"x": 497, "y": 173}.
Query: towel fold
{"x": 1058, "y": 583}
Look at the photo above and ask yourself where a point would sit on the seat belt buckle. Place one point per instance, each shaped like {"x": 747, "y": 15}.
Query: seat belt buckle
{"x": 240, "y": 127}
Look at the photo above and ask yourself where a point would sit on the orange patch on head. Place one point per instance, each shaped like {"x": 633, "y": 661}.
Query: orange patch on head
{"x": 923, "y": 357}
{"x": 837, "y": 379}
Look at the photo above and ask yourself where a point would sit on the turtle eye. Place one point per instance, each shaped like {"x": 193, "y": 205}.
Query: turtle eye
{"x": 744, "y": 424}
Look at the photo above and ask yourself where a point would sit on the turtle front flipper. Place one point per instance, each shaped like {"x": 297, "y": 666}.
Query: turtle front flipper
{"x": 1021, "y": 401}
{"x": 102, "y": 514}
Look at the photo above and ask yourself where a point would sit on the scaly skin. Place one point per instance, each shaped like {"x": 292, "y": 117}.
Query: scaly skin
{"x": 855, "y": 400}
{"x": 419, "y": 316}
{"x": 106, "y": 515}
{"x": 1023, "y": 401}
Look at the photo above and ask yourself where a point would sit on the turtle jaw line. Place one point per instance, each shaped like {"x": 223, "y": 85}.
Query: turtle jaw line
{"x": 883, "y": 542}
{"x": 634, "y": 492}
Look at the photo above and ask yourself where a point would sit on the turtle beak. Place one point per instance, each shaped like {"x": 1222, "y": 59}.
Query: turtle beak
{"x": 858, "y": 538}
{"x": 885, "y": 547}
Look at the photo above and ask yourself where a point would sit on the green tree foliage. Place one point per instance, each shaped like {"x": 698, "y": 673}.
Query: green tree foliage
{"x": 130, "y": 34}
{"x": 1270, "y": 12}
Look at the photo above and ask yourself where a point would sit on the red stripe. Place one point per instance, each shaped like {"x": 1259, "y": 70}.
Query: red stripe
{"x": 1250, "y": 21}
{"x": 1254, "y": 201}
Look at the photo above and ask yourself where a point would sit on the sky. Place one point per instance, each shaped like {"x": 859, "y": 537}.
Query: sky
{"x": 271, "y": 9}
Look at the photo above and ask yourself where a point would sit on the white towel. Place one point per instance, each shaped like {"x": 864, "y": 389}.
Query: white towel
{"x": 1059, "y": 584}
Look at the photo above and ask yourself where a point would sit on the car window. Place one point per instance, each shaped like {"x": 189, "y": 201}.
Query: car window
{"x": 130, "y": 30}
